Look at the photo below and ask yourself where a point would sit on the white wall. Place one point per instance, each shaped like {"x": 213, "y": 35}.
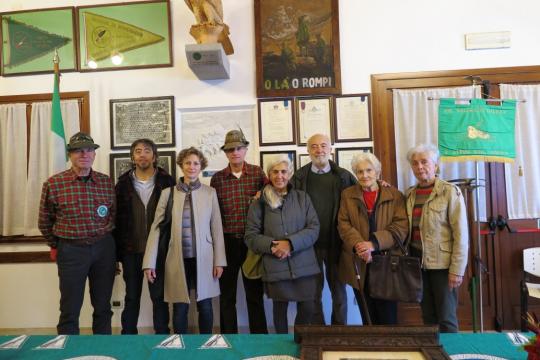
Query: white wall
{"x": 376, "y": 37}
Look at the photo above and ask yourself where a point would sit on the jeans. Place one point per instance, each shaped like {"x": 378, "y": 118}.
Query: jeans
{"x": 204, "y": 307}
{"x": 133, "y": 277}
{"x": 76, "y": 263}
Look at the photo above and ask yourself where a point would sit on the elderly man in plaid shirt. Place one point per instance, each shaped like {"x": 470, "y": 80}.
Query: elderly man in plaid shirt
{"x": 236, "y": 185}
{"x": 76, "y": 216}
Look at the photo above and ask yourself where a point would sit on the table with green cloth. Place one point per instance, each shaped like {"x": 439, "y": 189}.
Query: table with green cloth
{"x": 466, "y": 346}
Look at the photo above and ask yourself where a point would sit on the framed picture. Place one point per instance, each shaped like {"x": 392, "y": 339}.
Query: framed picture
{"x": 344, "y": 156}
{"x": 313, "y": 116}
{"x": 352, "y": 120}
{"x": 297, "y": 47}
{"x": 119, "y": 163}
{"x": 369, "y": 342}
{"x": 30, "y": 38}
{"x": 276, "y": 124}
{"x": 151, "y": 118}
{"x": 266, "y": 155}
{"x": 124, "y": 35}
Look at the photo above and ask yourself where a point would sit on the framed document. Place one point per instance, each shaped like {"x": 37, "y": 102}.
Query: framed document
{"x": 125, "y": 35}
{"x": 119, "y": 163}
{"x": 266, "y": 155}
{"x": 313, "y": 116}
{"x": 151, "y": 118}
{"x": 352, "y": 120}
{"x": 297, "y": 47}
{"x": 369, "y": 342}
{"x": 344, "y": 156}
{"x": 276, "y": 125}
{"x": 30, "y": 38}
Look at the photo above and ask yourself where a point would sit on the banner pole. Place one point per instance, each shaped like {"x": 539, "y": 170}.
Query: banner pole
{"x": 478, "y": 253}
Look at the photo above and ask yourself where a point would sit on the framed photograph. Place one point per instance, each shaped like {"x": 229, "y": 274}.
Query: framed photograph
{"x": 344, "y": 156}
{"x": 276, "y": 124}
{"x": 369, "y": 342}
{"x": 119, "y": 163}
{"x": 125, "y": 36}
{"x": 297, "y": 47}
{"x": 352, "y": 120}
{"x": 151, "y": 118}
{"x": 313, "y": 116}
{"x": 266, "y": 155}
{"x": 30, "y": 38}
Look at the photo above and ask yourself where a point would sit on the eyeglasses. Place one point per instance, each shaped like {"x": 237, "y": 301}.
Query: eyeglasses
{"x": 238, "y": 148}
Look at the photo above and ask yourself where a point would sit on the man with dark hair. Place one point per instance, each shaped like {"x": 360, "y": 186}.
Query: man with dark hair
{"x": 324, "y": 181}
{"x": 76, "y": 216}
{"x": 137, "y": 194}
{"x": 236, "y": 185}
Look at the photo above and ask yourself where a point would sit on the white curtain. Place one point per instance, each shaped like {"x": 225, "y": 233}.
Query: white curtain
{"x": 416, "y": 122}
{"x": 38, "y": 161}
{"x": 522, "y": 191}
{"x": 12, "y": 168}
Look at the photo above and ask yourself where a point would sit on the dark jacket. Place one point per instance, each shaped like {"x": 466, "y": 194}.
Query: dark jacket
{"x": 343, "y": 179}
{"x": 123, "y": 233}
{"x": 297, "y": 221}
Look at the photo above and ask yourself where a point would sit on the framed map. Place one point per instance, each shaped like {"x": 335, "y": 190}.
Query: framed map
{"x": 151, "y": 118}
{"x": 124, "y": 35}
{"x": 30, "y": 38}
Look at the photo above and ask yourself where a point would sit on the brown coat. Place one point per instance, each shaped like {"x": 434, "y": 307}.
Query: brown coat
{"x": 353, "y": 226}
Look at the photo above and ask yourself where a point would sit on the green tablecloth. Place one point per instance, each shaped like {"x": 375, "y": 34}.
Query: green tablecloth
{"x": 241, "y": 347}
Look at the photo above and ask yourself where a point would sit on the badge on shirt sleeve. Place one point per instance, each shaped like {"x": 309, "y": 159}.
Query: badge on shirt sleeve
{"x": 102, "y": 211}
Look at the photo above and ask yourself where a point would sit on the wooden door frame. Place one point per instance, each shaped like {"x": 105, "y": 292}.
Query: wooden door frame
{"x": 382, "y": 86}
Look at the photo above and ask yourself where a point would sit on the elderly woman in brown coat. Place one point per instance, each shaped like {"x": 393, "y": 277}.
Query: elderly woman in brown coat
{"x": 371, "y": 219}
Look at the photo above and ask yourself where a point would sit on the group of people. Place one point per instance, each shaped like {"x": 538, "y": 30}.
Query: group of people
{"x": 181, "y": 236}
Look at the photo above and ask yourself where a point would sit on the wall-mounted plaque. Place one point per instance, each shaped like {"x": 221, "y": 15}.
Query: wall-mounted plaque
{"x": 352, "y": 118}
{"x": 151, "y": 118}
{"x": 119, "y": 163}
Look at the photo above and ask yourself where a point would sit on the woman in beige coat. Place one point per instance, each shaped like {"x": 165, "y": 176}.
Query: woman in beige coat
{"x": 196, "y": 251}
{"x": 370, "y": 219}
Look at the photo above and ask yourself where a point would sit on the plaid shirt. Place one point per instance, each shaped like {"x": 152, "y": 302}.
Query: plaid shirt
{"x": 72, "y": 208}
{"x": 235, "y": 194}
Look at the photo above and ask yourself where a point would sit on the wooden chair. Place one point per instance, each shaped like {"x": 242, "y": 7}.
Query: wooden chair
{"x": 531, "y": 276}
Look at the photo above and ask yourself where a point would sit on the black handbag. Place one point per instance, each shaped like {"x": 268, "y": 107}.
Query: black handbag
{"x": 396, "y": 277}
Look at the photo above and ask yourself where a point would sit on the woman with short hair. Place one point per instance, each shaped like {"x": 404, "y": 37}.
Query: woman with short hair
{"x": 439, "y": 236}
{"x": 196, "y": 251}
{"x": 371, "y": 219}
{"x": 282, "y": 226}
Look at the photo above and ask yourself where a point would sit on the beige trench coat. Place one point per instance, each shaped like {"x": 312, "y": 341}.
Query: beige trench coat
{"x": 210, "y": 246}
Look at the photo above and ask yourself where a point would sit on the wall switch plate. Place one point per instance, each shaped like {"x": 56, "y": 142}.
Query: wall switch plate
{"x": 116, "y": 304}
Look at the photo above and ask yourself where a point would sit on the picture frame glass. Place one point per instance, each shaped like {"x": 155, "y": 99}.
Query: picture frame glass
{"x": 276, "y": 125}
{"x": 373, "y": 355}
{"x": 151, "y": 118}
{"x": 30, "y": 38}
{"x": 266, "y": 156}
{"x": 124, "y": 36}
{"x": 345, "y": 156}
{"x": 314, "y": 116}
{"x": 119, "y": 163}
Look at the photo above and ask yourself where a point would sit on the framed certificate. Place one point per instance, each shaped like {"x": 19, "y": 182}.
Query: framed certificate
{"x": 151, "y": 118}
{"x": 266, "y": 155}
{"x": 313, "y": 116}
{"x": 119, "y": 163}
{"x": 344, "y": 156}
{"x": 276, "y": 125}
{"x": 352, "y": 120}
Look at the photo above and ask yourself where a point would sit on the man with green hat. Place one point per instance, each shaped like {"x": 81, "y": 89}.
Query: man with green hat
{"x": 236, "y": 185}
{"x": 76, "y": 216}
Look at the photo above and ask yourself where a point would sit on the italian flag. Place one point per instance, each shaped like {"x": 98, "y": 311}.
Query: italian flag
{"x": 57, "y": 140}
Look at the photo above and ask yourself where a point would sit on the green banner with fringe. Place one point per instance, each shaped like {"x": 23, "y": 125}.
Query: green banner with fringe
{"x": 477, "y": 131}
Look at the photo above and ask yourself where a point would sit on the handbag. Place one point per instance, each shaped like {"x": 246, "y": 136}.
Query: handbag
{"x": 396, "y": 277}
{"x": 252, "y": 266}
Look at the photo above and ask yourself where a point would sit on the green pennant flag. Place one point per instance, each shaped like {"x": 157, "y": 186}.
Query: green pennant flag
{"x": 27, "y": 42}
{"x": 57, "y": 144}
{"x": 477, "y": 131}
